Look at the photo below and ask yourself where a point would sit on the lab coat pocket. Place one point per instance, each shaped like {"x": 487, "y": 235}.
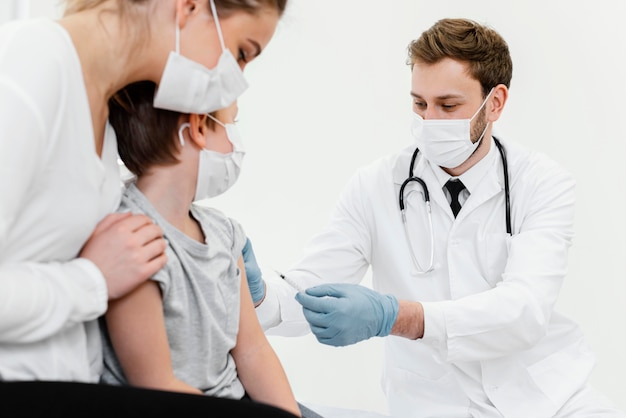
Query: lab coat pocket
{"x": 561, "y": 374}
{"x": 493, "y": 255}
{"x": 410, "y": 394}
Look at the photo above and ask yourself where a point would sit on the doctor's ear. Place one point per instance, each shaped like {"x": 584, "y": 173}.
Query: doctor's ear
{"x": 498, "y": 100}
{"x": 198, "y": 129}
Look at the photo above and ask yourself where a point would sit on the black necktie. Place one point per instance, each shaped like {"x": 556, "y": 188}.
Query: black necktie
{"x": 455, "y": 187}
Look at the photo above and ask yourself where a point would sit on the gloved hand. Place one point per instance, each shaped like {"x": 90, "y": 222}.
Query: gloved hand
{"x": 253, "y": 273}
{"x": 348, "y": 314}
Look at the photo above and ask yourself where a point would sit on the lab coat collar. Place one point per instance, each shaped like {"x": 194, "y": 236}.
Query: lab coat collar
{"x": 474, "y": 176}
{"x": 482, "y": 180}
{"x": 422, "y": 169}
{"x": 400, "y": 169}
{"x": 471, "y": 178}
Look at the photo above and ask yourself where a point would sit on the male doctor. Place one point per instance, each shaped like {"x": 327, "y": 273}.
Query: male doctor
{"x": 465, "y": 288}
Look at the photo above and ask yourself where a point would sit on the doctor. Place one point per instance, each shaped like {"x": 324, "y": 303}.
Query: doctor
{"x": 467, "y": 235}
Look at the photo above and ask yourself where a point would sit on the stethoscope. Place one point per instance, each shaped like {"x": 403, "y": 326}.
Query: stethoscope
{"x": 412, "y": 178}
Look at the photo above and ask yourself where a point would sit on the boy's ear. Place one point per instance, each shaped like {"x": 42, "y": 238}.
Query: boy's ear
{"x": 198, "y": 129}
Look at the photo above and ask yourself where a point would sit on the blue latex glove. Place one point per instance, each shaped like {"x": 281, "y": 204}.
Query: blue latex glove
{"x": 253, "y": 273}
{"x": 348, "y": 314}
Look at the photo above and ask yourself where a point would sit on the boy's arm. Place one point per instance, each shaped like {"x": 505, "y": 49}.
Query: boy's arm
{"x": 258, "y": 367}
{"x": 137, "y": 330}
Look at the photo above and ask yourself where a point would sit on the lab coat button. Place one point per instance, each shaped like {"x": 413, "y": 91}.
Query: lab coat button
{"x": 494, "y": 388}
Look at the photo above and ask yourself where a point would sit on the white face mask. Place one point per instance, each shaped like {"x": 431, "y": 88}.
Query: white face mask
{"x": 189, "y": 87}
{"x": 217, "y": 172}
{"x": 446, "y": 142}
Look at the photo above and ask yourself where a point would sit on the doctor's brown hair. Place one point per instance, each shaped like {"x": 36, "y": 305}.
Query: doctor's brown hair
{"x": 482, "y": 48}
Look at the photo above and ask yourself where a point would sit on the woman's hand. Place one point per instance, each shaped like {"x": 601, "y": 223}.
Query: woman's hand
{"x": 128, "y": 249}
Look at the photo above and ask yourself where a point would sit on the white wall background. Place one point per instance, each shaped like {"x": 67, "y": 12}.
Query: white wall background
{"x": 331, "y": 93}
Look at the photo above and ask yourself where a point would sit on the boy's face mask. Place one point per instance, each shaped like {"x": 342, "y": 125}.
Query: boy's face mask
{"x": 217, "y": 172}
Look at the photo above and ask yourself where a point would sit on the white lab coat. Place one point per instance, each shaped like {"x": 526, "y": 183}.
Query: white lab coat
{"x": 491, "y": 336}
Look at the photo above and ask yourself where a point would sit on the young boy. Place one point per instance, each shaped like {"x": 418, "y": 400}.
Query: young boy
{"x": 192, "y": 328}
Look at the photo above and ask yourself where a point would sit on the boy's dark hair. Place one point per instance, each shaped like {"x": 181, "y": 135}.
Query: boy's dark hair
{"x": 145, "y": 136}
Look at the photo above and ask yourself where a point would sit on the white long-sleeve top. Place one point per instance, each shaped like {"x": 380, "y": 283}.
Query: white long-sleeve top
{"x": 493, "y": 344}
{"x": 54, "y": 189}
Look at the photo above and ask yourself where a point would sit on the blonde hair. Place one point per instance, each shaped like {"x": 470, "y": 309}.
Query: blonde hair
{"x": 250, "y": 6}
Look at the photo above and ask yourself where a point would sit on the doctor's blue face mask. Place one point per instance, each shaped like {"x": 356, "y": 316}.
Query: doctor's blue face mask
{"x": 189, "y": 87}
{"x": 446, "y": 142}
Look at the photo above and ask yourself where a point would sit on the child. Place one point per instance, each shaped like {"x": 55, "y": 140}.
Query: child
{"x": 192, "y": 328}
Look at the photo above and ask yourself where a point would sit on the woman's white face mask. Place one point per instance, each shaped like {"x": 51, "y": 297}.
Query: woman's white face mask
{"x": 189, "y": 87}
{"x": 446, "y": 142}
{"x": 217, "y": 172}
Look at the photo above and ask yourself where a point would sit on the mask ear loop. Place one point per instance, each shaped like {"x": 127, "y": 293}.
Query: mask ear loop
{"x": 181, "y": 138}
{"x": 480, "y": 138}
{"x": 216, "y": 120}
{"x": 177, "y": 34}
{"x": 482, "y": 135}
{"x": 234, "y": 139}
{"x": 217, "y": 25}
{"x": 482, "y": 105}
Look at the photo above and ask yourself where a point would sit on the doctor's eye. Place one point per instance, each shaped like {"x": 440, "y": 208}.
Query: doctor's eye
{"x": 448, "y": 107}
{"x": 419, "y": 105}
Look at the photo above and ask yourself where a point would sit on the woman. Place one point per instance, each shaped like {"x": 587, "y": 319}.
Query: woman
{"x": 62, "y": 254}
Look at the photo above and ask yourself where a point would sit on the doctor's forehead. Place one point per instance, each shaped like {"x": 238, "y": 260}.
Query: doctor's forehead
{"x": 446, "y": 78}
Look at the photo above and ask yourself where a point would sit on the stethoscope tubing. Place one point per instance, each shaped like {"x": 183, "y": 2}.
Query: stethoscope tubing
{"x": 507, "y": 194}
{"x": 412, "y": 178}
